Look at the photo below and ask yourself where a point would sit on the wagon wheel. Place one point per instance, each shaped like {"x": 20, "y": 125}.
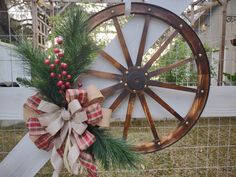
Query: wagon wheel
{"x": 135, "y": 81}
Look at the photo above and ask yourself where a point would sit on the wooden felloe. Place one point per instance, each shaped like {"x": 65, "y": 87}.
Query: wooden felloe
{"x": 135, "y": 80}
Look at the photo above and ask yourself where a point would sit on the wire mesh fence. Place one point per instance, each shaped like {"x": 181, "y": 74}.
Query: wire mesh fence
{"x": 209, "y": 149}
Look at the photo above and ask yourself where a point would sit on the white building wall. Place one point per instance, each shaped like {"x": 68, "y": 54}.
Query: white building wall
{"x": 212, "y": 37}
{"x": 11, "y": 66}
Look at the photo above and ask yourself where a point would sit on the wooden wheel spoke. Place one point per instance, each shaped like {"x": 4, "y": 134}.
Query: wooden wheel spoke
{"x": 137, "y": 80}
{"x": 171, "y": 66}
{"x": 115, "y": 63}
{"x": 122, "y": 42}
{"x": 143, "y": 41}
{"x": 160, "y": 50}
{"x": 109, "y": 90}
{"x": 129, "y": 115}
{"x": 171, "y": 86}
{"x": 148, "y": 116}
{"x": 164, "y": 104}
{"x": 105, "y": 75}
{"x": 118, "y": 100}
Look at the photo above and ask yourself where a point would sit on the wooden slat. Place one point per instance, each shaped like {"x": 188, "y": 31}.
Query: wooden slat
{"x": 143, "y": 41}
{"x": 110, "y": 90}
{"x": 170, "y": 67}
{"x": 122, "y": 43}
{"x": 148, "y": 116}
{"x": 105, "y": 75}
{"x": 164, "y": 104}
{"x": 43, "y": 22}
{"x": 219, "y": 2}
{"x": 203, "y": 8}
{"x": 171, "y": 86}
{"x": 160, "y": 50}
{"x": 222, "y": 44}
{"x": 109, "y": 58}
{"x": 129, "y": 115}
{"x": 118, "y": 100}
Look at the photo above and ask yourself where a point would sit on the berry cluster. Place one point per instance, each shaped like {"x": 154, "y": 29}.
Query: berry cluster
{"x": 59, "y": 68}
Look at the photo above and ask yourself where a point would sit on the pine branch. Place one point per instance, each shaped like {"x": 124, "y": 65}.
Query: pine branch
{"x": 111, "y": 152}
{"x": 79, "y": 48}
{"x": 79, "y": 51}
{"x": 33, "y": 62}
{"x": 25, "y": 82}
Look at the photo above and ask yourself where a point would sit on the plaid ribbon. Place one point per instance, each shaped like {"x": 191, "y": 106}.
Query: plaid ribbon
{"x": 57, "y": 140}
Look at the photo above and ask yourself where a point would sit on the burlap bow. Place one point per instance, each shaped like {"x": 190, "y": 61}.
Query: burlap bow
{"x": 64, "y": 131}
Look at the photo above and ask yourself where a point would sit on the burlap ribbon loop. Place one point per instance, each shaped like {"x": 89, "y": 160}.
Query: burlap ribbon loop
{"x": 65, "y": 131}
{"x": 74, "y": 106}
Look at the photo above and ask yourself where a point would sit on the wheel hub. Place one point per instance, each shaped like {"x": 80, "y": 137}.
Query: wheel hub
{"x": 135, "y": 79}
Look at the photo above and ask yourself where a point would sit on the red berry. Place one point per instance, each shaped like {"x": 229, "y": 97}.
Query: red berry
{"x": 64, "y": 73}
{"x": 56, "y": 50}
{"x": 59, "y": 40}
{"x": 67, "y": 84}
{"x": 52, "y": 75}
{"x": 52, "y": 66}
{"x": 59, "y": 76}
{"x": 56, "y": 61}
{"x": 80, "y": 84}
{"x": 64, "y": 65}
{"x": 69, "y": 76}
{"x": 61, "y": 54}
{"x": 60, "y": 91}
{"x": 63, "y": 86}
{"x": 59, "y": 83}
{"x": 46, "y": 61}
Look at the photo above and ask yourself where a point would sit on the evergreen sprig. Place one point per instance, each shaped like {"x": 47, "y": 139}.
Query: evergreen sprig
{"x": 79, "y": 51}
{"x": 33, "y": 62}
{"x": 112, "y": 152}
{"x": 79, "y": 47}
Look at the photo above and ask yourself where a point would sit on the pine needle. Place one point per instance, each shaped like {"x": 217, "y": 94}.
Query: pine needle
{"x": 79, "y": 49}
{"x": 112, "y": 152}
{"x": 33, "y": 62}
{"x": 79, "y": 52}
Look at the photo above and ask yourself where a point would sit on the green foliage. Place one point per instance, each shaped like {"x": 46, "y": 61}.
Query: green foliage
{"x": 185, "y": 73}
{"x": 79, "y": 50}
{"x": 33, "y": 60}
{"x": 213, "y": 66}
{"x": 112, "y": 152}
{"x": 230, "y": 77}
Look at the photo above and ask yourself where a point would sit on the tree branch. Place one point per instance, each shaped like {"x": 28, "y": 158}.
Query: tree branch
{"x": 16, "y": 4}
{"x": 21, "y": 20}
